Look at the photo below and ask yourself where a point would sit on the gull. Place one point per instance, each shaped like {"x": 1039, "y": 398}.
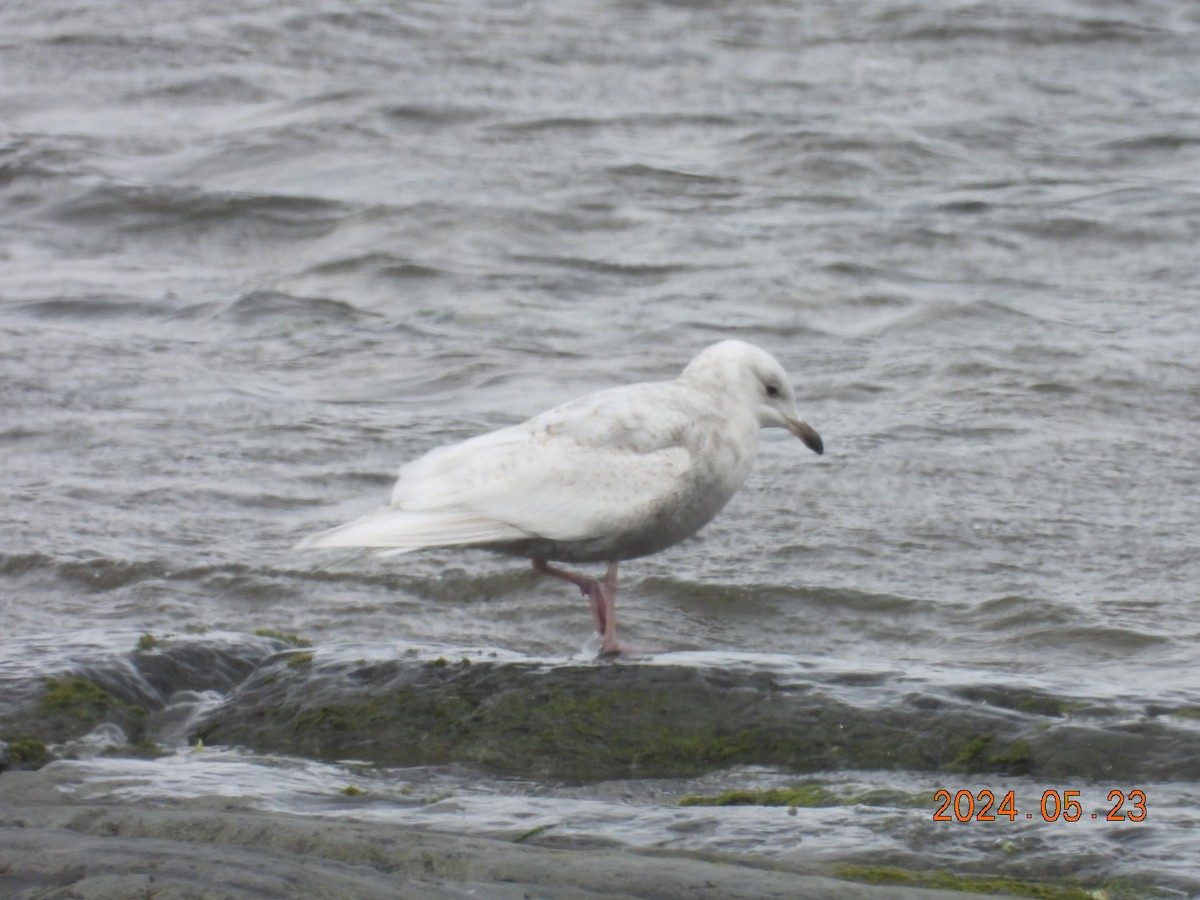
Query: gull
{"x": 614, "y": 475}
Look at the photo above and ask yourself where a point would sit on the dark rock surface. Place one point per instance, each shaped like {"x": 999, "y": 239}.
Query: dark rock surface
{"x": 578, "y": 722}
{"x": 593, "y": 722}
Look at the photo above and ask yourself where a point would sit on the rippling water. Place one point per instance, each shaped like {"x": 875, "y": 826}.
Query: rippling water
{"x": 255, "y": 257}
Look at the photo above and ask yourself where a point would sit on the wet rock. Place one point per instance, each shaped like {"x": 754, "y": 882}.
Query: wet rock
{"x": 53, "y": 846}
{"x": 576, "y": 722}
{"x": 128, "y": 691}
{"x": 200, "y": 665}
{"x": 27, "y": 754}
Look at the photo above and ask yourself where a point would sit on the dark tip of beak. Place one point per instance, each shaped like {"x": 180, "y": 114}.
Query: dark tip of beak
{"x": 809, "y": 435}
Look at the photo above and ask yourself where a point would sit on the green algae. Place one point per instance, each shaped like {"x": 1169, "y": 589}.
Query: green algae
{"x": 351, "y": 790}
{"x": 532, "y": 833}
{"x": 698, "y": 750}
{"x": 148, "y": 642}
{"x": 586, "y": 734}
{"x": 810, "y": 794}
{"x": 299, "y": 659}
{"x": 333, "y": 723}
{"x": 977, "y": 755}
{"x": 294, "y": 640}
{"x": 139, "y": 750}
{"x": 1055, "y": 707}
{"x": 577, "y": 724}
{"x": 888, "y": 797}
{"x": 982, "y": 884}
{"x": 576, "y": 735}
{"x": 71, "y": 706}
{"x": 76, "y": 697}
{"x": 144, "y": 750}
{"x": 1016, "y": 760}
{"x": 586, "y": 723}
{"x": 1024, "y": 701}
{"x": 29, "y": 753}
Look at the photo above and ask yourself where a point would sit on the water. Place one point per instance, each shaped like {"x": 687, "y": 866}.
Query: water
{"x": 252, "y": 259}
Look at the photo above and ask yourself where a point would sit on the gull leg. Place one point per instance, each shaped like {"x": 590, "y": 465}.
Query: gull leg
{"x": 589, "y": 587}
{"x": 608, "y": 639}
{"x": 603, "y": 598}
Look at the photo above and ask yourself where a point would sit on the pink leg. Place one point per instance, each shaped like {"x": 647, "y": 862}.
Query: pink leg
{"x": 601, "y": 595}
{"x": 589, "y": 587}
{"x": 608, "y": 638}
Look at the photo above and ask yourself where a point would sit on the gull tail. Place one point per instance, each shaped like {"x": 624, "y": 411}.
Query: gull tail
{"x": 402, "y": 531}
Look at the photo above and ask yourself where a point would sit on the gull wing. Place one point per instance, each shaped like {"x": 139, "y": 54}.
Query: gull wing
{"x": 583, "y": 470}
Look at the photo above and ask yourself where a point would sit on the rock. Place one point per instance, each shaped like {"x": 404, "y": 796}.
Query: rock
{"x": 574, "y": 722}
{"x": 54, "y": 848}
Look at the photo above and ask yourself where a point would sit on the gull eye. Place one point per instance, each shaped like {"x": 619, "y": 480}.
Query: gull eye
{"x": 772, "y": 390}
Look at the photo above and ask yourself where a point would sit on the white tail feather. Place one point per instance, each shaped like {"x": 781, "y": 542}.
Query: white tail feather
{"x": 401, "y": 531}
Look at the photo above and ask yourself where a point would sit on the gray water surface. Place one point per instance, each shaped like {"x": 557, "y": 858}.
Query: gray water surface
{"x": 253, "y": 258}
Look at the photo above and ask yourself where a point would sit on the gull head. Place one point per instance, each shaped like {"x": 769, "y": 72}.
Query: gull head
{"x": 758, "y": 381}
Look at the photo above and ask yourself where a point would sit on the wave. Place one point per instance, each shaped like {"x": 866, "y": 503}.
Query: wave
{"x": 195, "y": 212}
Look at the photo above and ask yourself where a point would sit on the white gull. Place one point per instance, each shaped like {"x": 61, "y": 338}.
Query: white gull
{"x": 614, "y": 475}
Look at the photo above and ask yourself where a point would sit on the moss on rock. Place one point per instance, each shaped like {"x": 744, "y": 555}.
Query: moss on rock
{"x": 979, "y": 755}
{"x": 626, "y": 720}
{"x": 974, "y": 884}
{"x": 292, "y": 639}
{"x": 72, "y": 706}
{"x": 572, "y": 722}
{"x": 808, "y": 794}
{"x": 76, "y": 697}
{"x": 29, "y": 753}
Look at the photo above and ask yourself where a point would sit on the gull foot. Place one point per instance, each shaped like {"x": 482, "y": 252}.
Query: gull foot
{"x": 615, "y": 650}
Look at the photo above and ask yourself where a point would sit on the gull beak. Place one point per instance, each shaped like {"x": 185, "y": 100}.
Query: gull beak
{"x": 808, "y": 434}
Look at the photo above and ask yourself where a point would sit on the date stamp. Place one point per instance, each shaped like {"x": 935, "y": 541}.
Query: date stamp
{"x": 982, "y": 806}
